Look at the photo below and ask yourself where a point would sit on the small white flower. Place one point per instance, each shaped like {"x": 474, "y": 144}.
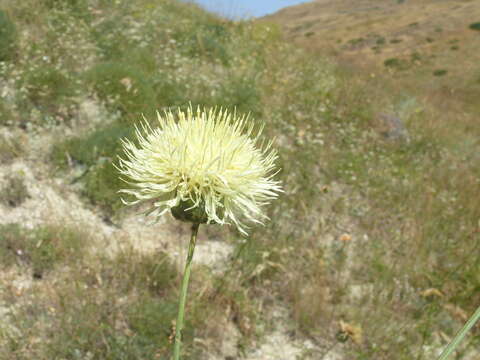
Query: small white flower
{"x": 205, "y": 167}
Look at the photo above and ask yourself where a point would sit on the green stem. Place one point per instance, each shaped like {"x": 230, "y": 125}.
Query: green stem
{"x": 183, "y": 293}
{"x": 461, "y": 334}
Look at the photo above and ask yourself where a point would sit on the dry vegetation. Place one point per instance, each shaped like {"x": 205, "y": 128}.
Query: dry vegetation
{"x": 370, "y": 254}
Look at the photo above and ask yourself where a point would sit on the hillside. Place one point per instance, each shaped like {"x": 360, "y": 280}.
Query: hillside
{"x": 421, "y": 41}
{"x": 424, "y": 32}
{"x": 371, "y": 252}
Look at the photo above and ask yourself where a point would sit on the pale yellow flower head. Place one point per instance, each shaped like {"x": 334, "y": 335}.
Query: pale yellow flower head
{"x": 204, "y": 166}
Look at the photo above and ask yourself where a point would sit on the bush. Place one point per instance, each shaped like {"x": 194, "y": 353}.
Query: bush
{"x": 8, "y": 37}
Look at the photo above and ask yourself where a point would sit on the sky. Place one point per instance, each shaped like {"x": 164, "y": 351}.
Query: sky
{"x": 236, "y": 9}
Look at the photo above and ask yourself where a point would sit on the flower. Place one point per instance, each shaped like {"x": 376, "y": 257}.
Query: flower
{"x": 204, "y": 166}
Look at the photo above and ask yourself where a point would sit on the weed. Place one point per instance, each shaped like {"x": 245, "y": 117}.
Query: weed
{"x": 395, "y": 41}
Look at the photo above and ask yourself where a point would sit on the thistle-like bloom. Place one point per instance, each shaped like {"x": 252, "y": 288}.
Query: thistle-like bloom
{"x": 206, "y": 167}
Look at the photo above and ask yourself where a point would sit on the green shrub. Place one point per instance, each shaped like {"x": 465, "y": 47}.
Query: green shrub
{"x": 153, "y": 271}
{"x": 10, "y": 148}
{"x": 169, "y": 92}
{"x": 112, "y": 43}
{"x": 475, "y": 26}
{"x": 356, "y": 41}
{"x": 96, "y": 151}
{"x": 396, "y": 63}
{"x": 8, "y": 37}
{"x": 440, "y": 72}
{"x": 41, "y": 248}
{"x": 14, "y": 192}
{"x": 77, "y": 8}
{"x": 205, "y": 40}
{"x": 49, "y": 91}
{"x": 101, "y": 187}
{"x": 124, "y": 88}
{"x": 87, "y": 150}
{"x": 6, "y": 114}
{"x": 237, "y": 92}
{"x": 415, "y": 56}
{"x": 152, "y": 319}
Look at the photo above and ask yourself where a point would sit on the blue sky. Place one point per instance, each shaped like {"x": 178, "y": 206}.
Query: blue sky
{"x": 246, "y": 8}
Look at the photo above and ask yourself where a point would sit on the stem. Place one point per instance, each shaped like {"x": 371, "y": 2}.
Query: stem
{"x": 461, "y": 334}
{"x": 183, "y": 293}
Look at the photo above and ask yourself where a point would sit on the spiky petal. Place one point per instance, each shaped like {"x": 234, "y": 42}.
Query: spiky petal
{"x": 209, "y": 159}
